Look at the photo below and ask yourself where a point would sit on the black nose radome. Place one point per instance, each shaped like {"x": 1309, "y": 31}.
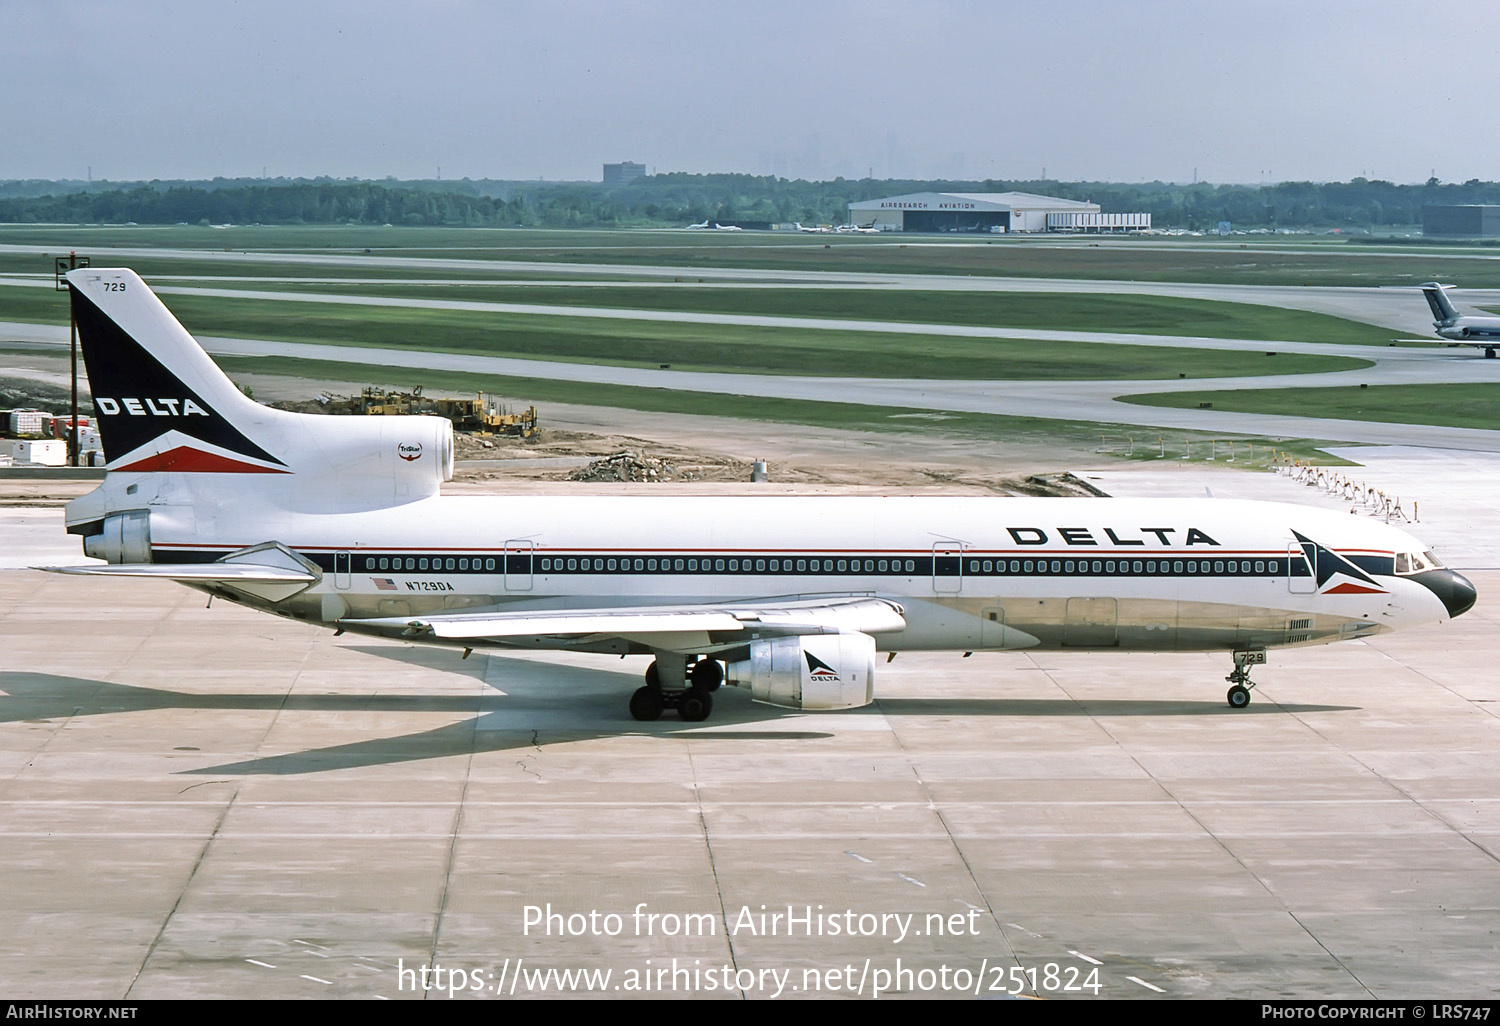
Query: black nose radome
{"x": 1452, "y": 589}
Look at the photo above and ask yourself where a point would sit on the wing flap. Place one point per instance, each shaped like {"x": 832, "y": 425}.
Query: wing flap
{"x": 815, "y": 616}
{"x": 582, "y": 623}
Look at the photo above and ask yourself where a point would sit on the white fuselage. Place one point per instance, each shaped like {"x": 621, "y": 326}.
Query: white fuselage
{"x": 1470, "y": 329}
{"x": 970, "y": 573}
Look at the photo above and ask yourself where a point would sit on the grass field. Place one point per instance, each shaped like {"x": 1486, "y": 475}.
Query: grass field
{"x": 1151, "y": 315}
{"x": 1467, "y": 406}
{"x": 745, "y": 349}
{"x": 1111, "y": 438}
{"x": 496, "y": 274}
{"x": 1139, "y": 260}
{"x": 1268, "y": 261}
{"x": 1120, "y": 312}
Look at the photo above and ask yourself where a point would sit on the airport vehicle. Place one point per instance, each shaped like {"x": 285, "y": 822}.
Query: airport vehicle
{"x": 338, "y": 521}
{"x": 1470, "y": 330}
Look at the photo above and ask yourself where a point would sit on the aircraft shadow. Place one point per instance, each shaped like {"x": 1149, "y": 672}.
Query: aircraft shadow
{"x": 1102, "y": 708}
{"x": 542, "y": 704}
{"x": 556, "y": 704}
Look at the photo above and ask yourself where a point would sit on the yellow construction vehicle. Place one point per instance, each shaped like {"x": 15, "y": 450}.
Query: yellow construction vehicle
{"x": 484, "y": 414}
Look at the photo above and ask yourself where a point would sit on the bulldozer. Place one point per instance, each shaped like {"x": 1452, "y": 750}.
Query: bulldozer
{"x": 482, "y": 415}
{"x": 486, "y": 415}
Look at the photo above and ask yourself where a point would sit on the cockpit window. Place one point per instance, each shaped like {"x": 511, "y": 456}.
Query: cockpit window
{"x": 1415, "y": 563}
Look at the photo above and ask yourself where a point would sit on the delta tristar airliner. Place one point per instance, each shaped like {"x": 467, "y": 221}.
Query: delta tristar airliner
{"x": 339, "y": 521}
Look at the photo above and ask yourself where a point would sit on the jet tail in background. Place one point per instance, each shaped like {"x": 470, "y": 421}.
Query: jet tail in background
{"x": 1443, "y": 310}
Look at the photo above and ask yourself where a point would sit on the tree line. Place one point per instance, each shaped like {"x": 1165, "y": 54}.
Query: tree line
{"x": 666, "y": 200}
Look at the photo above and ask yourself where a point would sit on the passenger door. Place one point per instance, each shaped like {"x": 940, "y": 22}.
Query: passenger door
{"x": 518, "y": 553}
{"x": 947, "y": 568}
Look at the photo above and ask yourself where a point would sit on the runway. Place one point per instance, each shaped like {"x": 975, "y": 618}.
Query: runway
{"x": 1071, "y": 400}
{"x": 1055, "y": 400}
{"x": 763, "y": 320}
{"x": 1399, "y": 308}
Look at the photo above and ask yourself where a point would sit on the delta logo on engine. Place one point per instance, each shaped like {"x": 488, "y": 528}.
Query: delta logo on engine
{"x": 817, "y": 669}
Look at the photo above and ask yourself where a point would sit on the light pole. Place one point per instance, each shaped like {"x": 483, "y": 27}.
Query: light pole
{"x": 61, "y": 266}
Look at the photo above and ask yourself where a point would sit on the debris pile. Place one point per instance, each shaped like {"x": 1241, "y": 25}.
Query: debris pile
{"x": 630, "y": 466}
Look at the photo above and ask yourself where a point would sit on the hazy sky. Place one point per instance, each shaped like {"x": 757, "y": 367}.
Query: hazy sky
{"x": 1127, "y": 90}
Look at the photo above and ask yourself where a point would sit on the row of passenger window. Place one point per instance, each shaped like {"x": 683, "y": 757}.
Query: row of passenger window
{"x": 433, "y": 563}
{"x": 700, "y": 565}
{"x": 604, "y": 565}
{"x": 705, "y": 565}
{"x": 1136, "y": 567}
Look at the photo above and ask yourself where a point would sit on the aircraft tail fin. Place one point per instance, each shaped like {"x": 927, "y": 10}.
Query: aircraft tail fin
{"x": 1437, "y": 299}
{"x": 160, "y": 402}
{"x": 163, "y": 406}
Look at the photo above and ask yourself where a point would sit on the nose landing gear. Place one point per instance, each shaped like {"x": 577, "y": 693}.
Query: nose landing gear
{"x": 1239, "y": 678}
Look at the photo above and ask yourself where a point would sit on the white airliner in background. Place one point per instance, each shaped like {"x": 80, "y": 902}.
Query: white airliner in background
{"x": 1471, "y": 330}
{"x": 338, "y": 521}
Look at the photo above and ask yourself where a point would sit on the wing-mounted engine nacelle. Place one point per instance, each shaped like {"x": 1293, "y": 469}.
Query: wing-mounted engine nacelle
{"x": 121, "y": 538}
{"x": 822, "y": 671}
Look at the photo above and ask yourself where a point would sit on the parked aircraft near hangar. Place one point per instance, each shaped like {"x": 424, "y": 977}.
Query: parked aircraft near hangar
{"x": 338, "y": 521}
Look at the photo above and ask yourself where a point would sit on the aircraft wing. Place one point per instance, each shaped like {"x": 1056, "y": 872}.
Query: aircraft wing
{"x": 268, "y": 571}
{"x": 697, "y": 627}
{"x": 192, "y": 573}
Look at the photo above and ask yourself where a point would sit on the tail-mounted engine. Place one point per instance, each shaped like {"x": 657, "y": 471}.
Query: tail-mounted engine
{"x": 121, "y": 538}
{"x": 371, "y": 462}
{"x": 825, "y": 671}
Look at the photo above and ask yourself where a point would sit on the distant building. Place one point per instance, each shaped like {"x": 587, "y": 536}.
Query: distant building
{"x": 988, "y": 212}
{"x": 623, "y": 174}
{"x": 1470, "y": 222}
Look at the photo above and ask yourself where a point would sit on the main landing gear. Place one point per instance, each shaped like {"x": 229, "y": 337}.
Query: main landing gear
{"x": 671, "y": 683}
{"x": 1489, "y": 353}
{"x": 1239, "y": 693}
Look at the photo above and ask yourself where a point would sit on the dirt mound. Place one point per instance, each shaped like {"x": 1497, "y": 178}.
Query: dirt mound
{"x": 630, "y": 466}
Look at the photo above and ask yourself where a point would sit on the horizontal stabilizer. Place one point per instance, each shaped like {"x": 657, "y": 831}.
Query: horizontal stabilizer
{"x": 817, "y": 616}
{"x": 192, "y": 573}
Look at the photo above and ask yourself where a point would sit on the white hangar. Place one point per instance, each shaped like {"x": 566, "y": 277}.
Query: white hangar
{"x": 988, "y": 212}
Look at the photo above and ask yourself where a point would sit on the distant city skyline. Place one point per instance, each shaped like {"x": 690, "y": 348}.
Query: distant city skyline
{"x": 1258, "y": 91}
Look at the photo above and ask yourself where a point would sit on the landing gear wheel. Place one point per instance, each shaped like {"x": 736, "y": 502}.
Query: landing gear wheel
{"x": 1239, "y": 677}
{"x": 707, "y": 674}
{"x": 646, "y": 704}
{"x": 1489, "y": 354}
{"x": 695, "y": 704}
{"x": 653, "y": 676}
